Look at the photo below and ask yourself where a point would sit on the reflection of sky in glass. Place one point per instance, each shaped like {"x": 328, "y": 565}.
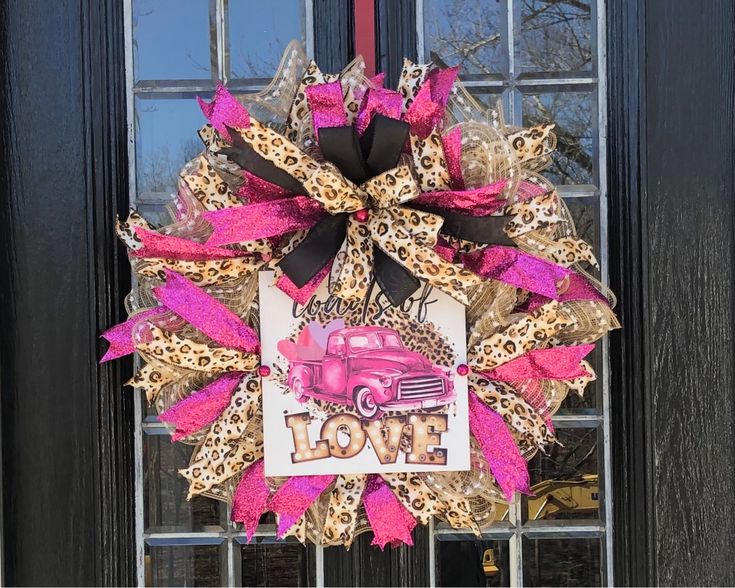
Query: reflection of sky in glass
{"x": 468, "y": 33}
{"x": 166, "y": 133}
{"x": 259, "y": 32}
{"x": 171, "y": 39}
{"x": 172, "y": 42}
{"x": 574, "y": 159}
{"x": 555, "y": 36}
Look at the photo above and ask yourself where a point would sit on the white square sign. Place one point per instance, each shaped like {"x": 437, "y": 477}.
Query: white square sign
{"x": 363, "y": 387}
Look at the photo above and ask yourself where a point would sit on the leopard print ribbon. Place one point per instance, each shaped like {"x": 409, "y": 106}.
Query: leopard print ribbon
{"x": 406, "y": 235}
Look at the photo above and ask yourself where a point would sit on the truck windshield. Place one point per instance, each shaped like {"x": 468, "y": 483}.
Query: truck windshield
{"x": 370, "y": 341}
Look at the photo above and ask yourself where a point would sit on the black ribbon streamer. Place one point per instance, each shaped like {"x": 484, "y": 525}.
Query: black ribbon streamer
{"x": 359, "y": 159}
{"x": 246, "y": 157}
{"x": 487, "y": 230}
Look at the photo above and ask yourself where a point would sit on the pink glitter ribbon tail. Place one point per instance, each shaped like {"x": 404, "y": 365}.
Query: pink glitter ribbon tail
{"x": 120, "y": 337}
{"x": 255, "y": 189}
{"x": 251, "y": 498}
{"x": 170, "y": 247}
{"x": 427, "y": 109}
{"x": 528, "y": 190}
{"x": 225, "y": 111}
{"x": 388, "y": 518}
{"x": 266, "y": 219}
{"x": 512, "y": 266}
{"x": 378, "y": 101}
{"x": 452, "y": 145}
{"x": 578, "y": 289}
{"x": 445, "y": 249}
{"x": 303, "y": 294}
{"x": 200, "y": 409}
{"x": 555, "y": 363}
{"x": 327, "y": 105}
{"x": 293, "y": 498}
{"x": 497, "y": 445}
{"x": 481, "y": 201}
{"x": 206, "y": 313}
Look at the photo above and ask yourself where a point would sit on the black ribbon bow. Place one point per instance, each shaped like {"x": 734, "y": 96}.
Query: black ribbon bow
{"x": 360, "y": 159}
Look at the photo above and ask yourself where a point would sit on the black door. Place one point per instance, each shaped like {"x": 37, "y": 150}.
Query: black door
{"x": 643, "y": 92}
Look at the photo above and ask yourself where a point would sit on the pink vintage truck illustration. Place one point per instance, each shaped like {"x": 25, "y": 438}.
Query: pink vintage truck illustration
{"x": 370, "y": 368}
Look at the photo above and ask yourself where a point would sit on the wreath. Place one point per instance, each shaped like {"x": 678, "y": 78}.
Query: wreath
{"x": 333, "y": 181}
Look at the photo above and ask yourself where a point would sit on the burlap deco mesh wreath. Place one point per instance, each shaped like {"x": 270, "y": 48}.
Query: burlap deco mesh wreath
{"x": 459, "y": 203}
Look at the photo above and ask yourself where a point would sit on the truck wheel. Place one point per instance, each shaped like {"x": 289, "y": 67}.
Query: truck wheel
{"x": 297, "y": 387}
{"x": 365, "y": 403}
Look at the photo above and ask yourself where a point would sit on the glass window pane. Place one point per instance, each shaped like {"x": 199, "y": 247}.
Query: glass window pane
{"x": 468, "y": 33}
{"x": 472, "y": 563}
{"x": 565, "y": 480}
{"x": 186, "y": 565}
{"x": 555, "y": 37}
{"x": 171, "y": 40}
{"x": 166, "y": 133}
{"x": 590, "y": 402}
{"x": 575, "y": 115}
{"x": 166, "y": 508}
{"x": 276, "y": 564}
{"x": 259, "y": 33}
{"x": 562, "y": 562}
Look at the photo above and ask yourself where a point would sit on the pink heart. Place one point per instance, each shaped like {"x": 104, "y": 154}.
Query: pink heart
{"x": 320, "y": 335}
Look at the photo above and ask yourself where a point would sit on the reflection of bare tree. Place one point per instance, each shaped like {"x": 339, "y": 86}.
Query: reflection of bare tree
{"x": 467, "y": 34}
{"x": 159, "y": 169}
{"x": 573, "y": 163}
{"x": 554, "y": 36}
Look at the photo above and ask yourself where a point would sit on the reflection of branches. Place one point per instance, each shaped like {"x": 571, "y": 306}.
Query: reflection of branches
{"x": 257, "y": 66}
{"x": 555, "y": 36}
{"x": 159, "y": 170}
{"x": 570, "y": 112}
{"x": 560, "y": 466}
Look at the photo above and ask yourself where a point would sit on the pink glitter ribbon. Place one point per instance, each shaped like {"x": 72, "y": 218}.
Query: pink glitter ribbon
{"x": 293, "y": 498}
{"x": 200, "y": 409}
{"x": 255, "y": 189}
{"x": 427, "y": 109}
{"x": 513, "y": 266}
{"x": 225, "y": 111}
{"x": 302, "y": 295}
{"x": 251, "y": 498}
{"x": 206, "y": 313}
{"x": 481, "y": 201}
{"x": 579, "y": 289}
{"x": 170, "y": 247}
{"x": 452, "y": 145}
{"x": 528, "y": 190}
{"x": 497, "y": 445}
{"x": 389, "y": 519}
{"x": 378, "y": 101}
{"x": 445, "y": 250}
{"x": 266, "y": 219}
{"x": 556, "y": 363}
{"x": 120, "y": 337}
{"x": 327, "y": 105}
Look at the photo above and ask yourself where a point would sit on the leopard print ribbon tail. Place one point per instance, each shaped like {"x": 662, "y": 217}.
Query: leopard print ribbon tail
{"x": 342, "y": 515}
{"x": 352, "y": 271}
{"x": 408, "y": 236}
